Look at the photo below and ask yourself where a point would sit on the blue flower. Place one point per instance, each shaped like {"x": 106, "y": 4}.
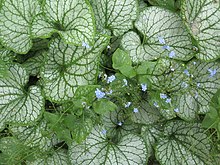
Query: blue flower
{"x": 161, "y": 40}
{"x": 111, "y": 79}
{"x": 176, "y": 110}
{"x": 103, "y": 132}
{"x": 172, "y": 54}
{"x": 156, "y": 105}
{"x": 163, "y": 96}
{"x": 135, "y": 110}
{"x": 186, "y": 72}
{"x": 99, "y": 94}
{"x": 127, "y": 104}
{"x": 168, "y": 100}
{"x": 166, "y": 47}
{"x": 144, "y": 87}
{"x": 120, "y": 123}
{"x": 198, "y": 85}
{"x": 108, "y": 47}
{"x": 212, "y": 72}
{"x": 194, "y": 63}
{"x": 125, "y": 82}
{"x": 85, "y": 45}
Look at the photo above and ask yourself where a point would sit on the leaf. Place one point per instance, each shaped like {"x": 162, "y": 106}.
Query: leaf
{"x": 115, "y": 15}
{"x": 73, "y": 20}
{"x": 122, "y": 62}
{"x": 15, "y": 21}
{"x": 68, "y": 67}
{"x": 56, "y": 157}
{"x": 37, "y": 136}
{"x": 96, "y": 149}
{"x": 34, "y": 64}
{"x": 154, "y": 23}
{"x": 183, "y": 143}
{"x": 150, "y": 134}
{"x": 146, "y": 114}
{"x": 103, "y": 106}
{"x": 18, "y": 105}
{"x": 202, "y": 18}
{"x": 201, "y": 89}
{"x": 3, "y": 69}
{"x": 169, "y": 4}
{"x": 13, "y": 151}
{"x": 80, "y": 127}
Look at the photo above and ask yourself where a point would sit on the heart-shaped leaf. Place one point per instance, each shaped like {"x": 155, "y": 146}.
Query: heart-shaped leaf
{"x": 69, "y": 67}
{"x": 184, "y": 143}
{"x": 164, "y": 35}
{"x": 115, "y": 15}
{"x": 19, "y": 105}
{"x": 73, "y": 20}
{"x": 97, "y": 149}
{"x": 202, "y": 18}
{"x": 15, "y": 22}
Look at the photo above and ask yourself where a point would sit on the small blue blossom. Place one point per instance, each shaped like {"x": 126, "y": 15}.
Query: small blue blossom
{"x": 168, "y": 100}
{"x": 198, "y": 85}
{"x": 135, "y": 110}
{"x": 125, "y": 82}
{"x": 85, "y": 45}
{"x": 161, "y": 40}
{"x": 166, "y": 47}
{"x": 127, "y": 104}
{"x": 120, "y": 123}
{"x": 176, "y": 110}
{"x": 212, "y": 72}
{"x": 111, "y": 79}
{"x": 163, "y": 96}
{"x": 194, "y": 63}
{"x": 143, "y": 87}
{"x": 172, "y": 54}
{"x": 99, "y": 94}
{"x": 103, "y": 132}
{"x": 156, "y": 105}
{"x": 108, "y": 47}
{"x": 186, "y": 72}
{"x": 184, "y": 84}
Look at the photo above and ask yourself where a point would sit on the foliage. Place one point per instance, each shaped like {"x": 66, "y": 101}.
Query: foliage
{"x": 112, "y": 82}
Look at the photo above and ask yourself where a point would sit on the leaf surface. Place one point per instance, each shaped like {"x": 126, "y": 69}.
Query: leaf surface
{"x": 183, "y": 143}
{"x": 16, "y": 17}
{"x": 98, "y": 150}
{"x": 115, "y": 15}
{"x": 73, "y": 20}
{"x": 155, "y": 23}
{"x": 19, "y": 105}
{"x": 202, "y": 18}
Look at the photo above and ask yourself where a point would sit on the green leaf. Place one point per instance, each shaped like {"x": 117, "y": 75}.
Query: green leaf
{"x": 13, "y": 151}
{"x": 37, "y": 136}
{"x": 52, "y": 158}
{"x": 33, "y": 65}
{"x": 156, "y": 22}
{"x": 184, "y": 143}
{"x": 80, "y": 127}
{"x": 103, "y": 105}
{"x": 96, "y": 149}
{"x": 122, "y": 62}
{"x": 202, "y": 18}
{"x": 115, "y": 15}
{"x": 68, "y": 67}
{"x": 18, "y": 105}
{"x": 15, "y": 21}
{"x": 73, "y": 20}
{"x": 169, "y": 4}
